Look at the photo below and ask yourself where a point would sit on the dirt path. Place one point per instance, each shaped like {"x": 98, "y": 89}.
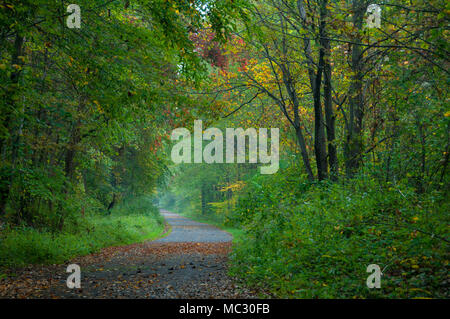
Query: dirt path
{"x": 190, "y": 262}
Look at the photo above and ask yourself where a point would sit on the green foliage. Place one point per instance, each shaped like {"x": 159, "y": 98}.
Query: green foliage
{"x": 132, "y": 221}
{"x": 86, "y": 116}
{"x": 138, "y": 206}
{"x": 83, "y": 110}
{"x": 382, "y": 155}
{"x": 317, "y": 240}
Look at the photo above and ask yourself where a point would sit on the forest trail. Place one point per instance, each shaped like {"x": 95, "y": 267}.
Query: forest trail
{"x": 190, "y": 262}
{"x": 187, "y": 230}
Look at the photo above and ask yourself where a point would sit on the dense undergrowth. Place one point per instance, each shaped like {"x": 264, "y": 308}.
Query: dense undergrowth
{"x": 130, "y": 221}
{"x": 316, "y": 240}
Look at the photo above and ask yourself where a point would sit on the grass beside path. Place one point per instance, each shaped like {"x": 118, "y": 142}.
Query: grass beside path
{"x": 131, "y": 222}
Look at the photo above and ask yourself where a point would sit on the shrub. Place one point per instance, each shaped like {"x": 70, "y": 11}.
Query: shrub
{"x": 316, "y": 240}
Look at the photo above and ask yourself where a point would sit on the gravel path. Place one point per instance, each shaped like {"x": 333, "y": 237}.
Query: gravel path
{"x": 188, "y": 231}
{"x": 190, "y": 262}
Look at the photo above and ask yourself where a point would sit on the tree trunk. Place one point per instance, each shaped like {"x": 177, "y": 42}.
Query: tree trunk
{"x": 319, "y": 128}
{"x": 304, "y": 153}
{"x": 354, "y": 146}
{"x": 328, "y": 104}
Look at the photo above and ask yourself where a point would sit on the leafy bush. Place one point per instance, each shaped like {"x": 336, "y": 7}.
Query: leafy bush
{"x": 316, "y": 240}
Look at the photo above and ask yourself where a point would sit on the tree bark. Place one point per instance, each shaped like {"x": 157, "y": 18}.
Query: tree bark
{"x": 319, "y": 128}
{"x": 328, "y": 104}
{"x": 354, "y": 144}
{"x": 304, "y": 152}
